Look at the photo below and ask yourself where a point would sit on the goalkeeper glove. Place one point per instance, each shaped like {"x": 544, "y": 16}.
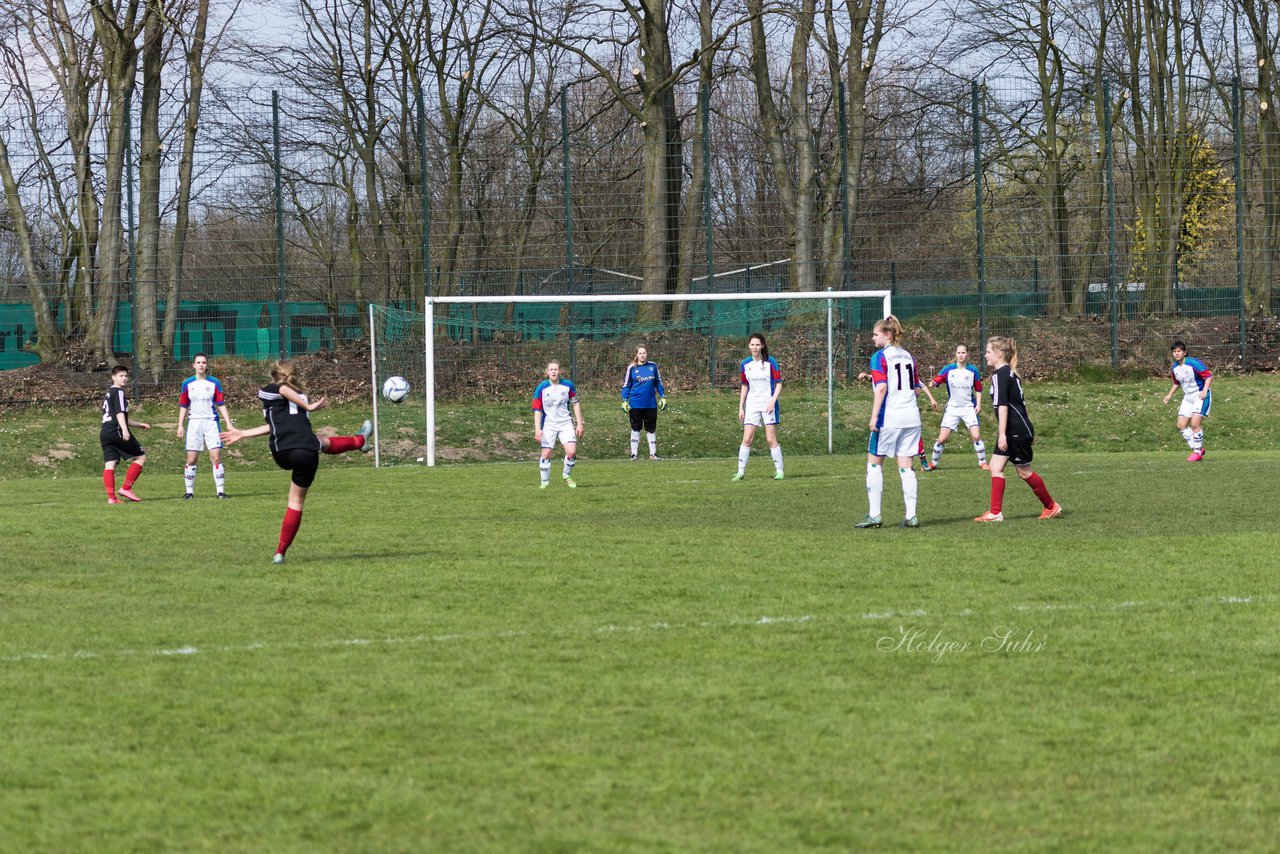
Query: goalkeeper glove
{"x": 662, "y": 403}
{"x": 626, "y": 407}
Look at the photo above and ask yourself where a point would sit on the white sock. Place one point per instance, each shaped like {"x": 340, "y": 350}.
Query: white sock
{"x": 544, "y": 470}
{"x": 875, "y": 488}
{"x": 635, "y": 442}
{"x": 653, "y": 444}
{"x": 937, "y": 452}
{"x": 910, "y": 489}
{"x": 776, "y": 453}
{"x": 220, "y": 478}
{"x": 1188, "y": 434}
{"x": 981, "y": 450}
{"x": 569, "y": 463}
{"x": 189, "y": 475}
{"x": 744, "y": 451}
{"x": 1197, "y": 441}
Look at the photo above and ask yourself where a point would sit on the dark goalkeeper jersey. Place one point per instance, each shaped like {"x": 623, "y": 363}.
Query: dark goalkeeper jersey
{"x": 290, "y": 426}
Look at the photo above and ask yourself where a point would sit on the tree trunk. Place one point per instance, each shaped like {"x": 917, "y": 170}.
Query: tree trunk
{"x": 150, "y": 356}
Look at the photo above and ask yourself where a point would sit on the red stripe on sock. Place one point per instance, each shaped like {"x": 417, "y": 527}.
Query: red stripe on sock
{"x": 997, "y": 494}
{"x": 134, "y": 470}
{"x": 342, "y": 444}
{"x": 1041, "y": 491}
{"x": 289, "y": 529}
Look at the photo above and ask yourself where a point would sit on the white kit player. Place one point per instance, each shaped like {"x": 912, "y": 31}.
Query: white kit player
{"x": 1191, "y": 375}
{"x": 553, "y": 402}
{"x": 199, "y": 405}
{"x": 758, "y": 403}
{"x": 895, "y": 422}
{"x": 964, "y": 396}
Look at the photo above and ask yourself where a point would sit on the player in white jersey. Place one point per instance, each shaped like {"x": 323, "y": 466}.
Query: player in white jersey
{"x": 200, "y": 403}
{"x": 964, "y": 395}
{"x": 552, "y": 401}
{"x": 895, "y": 421}
{"x": 1194, "y": 379}
{"x": 758, "y": 403}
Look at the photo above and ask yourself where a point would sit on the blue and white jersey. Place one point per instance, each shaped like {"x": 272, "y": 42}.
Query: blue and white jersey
{"x": 895, "y": 368}
{"x": 201, "y": 397}
{"x": 642, "y": 386}
{"x": 760, "y": 377}
{"x": 1191, "y": 375}
{"x": 555, "y": 402}
{"x": 962, "y": 383}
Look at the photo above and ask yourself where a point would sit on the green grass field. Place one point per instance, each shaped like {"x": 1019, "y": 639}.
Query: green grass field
{"x": 659, "y": 660}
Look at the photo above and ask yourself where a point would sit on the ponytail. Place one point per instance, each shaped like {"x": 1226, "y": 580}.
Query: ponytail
{"x": 1008, "y": 348}
{"x": 285, "y": 372}
{"x": 892, "y": 327}
{"x": 764, "y": 345}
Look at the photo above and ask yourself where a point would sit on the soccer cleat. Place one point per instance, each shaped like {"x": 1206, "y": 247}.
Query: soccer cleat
{"x": 366, "y": 430}
{"x": 128, "y": 493}
{"x": 187, "y": 496}
{"x": 990, "y": 517}
{"x": 913, "y": 522}
{"x": 568, "y": 481}
{"x": 277, "y": 559}
{"x": 653, "y": 458}
{"x": 984, "y": 466}
{"x": 111, "y": 500}
{"x": 1052, "y": 512}
{"x": 222, "y": 495}
{"x": 737, "y": 477}
{"x": 777, "y": 476}
{"x": 928, "y": 466}
{"x": 544, "y": 484}
{"x": 868, "y": 521}
{"x": 633, "y": 458}
{"x": 1196, "y": 456}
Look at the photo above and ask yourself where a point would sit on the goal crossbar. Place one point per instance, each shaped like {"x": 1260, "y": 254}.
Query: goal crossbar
{"x": 429, "y": 304}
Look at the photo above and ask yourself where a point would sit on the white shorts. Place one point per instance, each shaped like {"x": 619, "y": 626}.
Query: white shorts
{"x": 760, "y": 417}
{"x": 565, "y": 434}
{"x": 895, "y": 442}
{"x": 951, "y": 417}
{"x": 1194, "y": 404}
{"x": 202, "y": 434}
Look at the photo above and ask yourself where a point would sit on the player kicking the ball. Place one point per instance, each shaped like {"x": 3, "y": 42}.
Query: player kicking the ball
{"x": 200, "y": 403}
{"x": 1194, "y": 379}
{"x": 552, "y": 400}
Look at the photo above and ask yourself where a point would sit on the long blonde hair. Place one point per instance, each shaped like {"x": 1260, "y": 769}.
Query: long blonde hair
{"x": 635, "y": 360}
{"x": 1008, "y": 347}
{"x": 285, "y": 372}
{"x": 892, "y": 326}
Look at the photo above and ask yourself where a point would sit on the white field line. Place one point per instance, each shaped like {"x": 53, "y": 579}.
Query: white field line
{"x": 609, "y": 628}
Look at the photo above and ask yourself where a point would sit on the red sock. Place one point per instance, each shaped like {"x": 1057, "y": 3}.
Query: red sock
{"x": 1041, "y": 491}
{"x": 109, "y": 481}
{"x": 289, "y": 529}
{"x": 132, "y": 474}
{"x": 997, "y": 494}
{"x": 342, "y": 444}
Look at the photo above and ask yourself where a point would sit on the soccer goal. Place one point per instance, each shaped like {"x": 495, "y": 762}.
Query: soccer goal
{"x": 469, "y": 357}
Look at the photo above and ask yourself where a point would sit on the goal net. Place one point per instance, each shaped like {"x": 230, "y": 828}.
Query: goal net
{"x": 472, "y": 362}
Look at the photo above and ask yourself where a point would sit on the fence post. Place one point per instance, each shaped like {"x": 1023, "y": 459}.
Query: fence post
{"x": 706, "y": 227}
{"x": 1112, "y": 284}
{"x": 280, "y": 282}
{"x": 425, "y": 197}
{"x": 977, "y": 201}
{"x": 846, "y": 249}
{"x": 128, "y": 227}
{"x": 568, "y": 220}
{"x": 1239, "y": 158}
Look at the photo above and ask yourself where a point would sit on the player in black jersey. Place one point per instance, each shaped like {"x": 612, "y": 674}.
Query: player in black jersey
{"x": 1014, "y": 433}
{"x": 118, "y": 441}
{"x": 294, "y": 445}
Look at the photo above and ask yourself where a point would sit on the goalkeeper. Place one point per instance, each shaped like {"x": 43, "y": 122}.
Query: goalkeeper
{"x": 642, "y": 397}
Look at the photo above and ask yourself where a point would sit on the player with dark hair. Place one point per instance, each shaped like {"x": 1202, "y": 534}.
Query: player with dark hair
{"x": 642, "y": 397}
{"x": 294, "y": 445}
{"x": 1015, "y": 435}
{"x": 200, "y": 403}
{"x": 1194, "y": 379}
{"x": 758, "y": 403}
{"x": 117, "y": 439}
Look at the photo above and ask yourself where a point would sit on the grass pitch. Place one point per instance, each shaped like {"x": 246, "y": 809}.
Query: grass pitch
{"x": 661, "y": 659}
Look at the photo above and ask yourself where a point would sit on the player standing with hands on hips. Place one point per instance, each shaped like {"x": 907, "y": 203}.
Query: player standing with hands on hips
{"x": 895, "y": 422}
{"x": 294, "y": 445}
{"x": 1014, "y": 433}
{"x": 758, "y": 403}
{"x": 642, "y": 397}
{"x": 552, "y": 400}
{"x": 1194, "y": 379}
{"x": 117, "y": 439}
{"x": 201, "y": 401}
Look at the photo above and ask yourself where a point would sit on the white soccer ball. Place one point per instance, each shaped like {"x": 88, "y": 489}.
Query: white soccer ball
{"x": 395, "y": 389}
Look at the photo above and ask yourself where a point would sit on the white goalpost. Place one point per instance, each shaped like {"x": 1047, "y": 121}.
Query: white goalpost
{"x": 429, "y": 349}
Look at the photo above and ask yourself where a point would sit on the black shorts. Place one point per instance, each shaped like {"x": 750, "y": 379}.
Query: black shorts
{"x": 1018, "y": 450}
{"x": 115, "y": 448}
{"x": 301, "y": 463}
{"x": 644, "y": 418}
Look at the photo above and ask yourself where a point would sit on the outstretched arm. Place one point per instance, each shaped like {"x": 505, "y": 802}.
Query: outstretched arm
{"x": 234, "y": 434}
